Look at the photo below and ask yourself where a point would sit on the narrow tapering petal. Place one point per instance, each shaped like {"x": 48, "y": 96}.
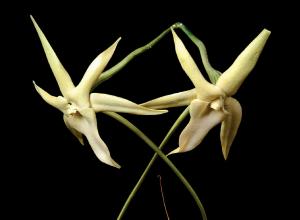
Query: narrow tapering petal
{"x": 173, "y": 100}
{"x": 231, "y": 80}
{"x": 205, "y": 90}
{"x": 61, "y": 75}
{"x": 103, "y": 102}
{"x": 230, "y": 124}
{"x": 76, "y": 133}
{"x": 57, "y": 102}
{"x": 203, "y": 118}
{"x": 95, "y": 69}
{"x": 87, "y": 125}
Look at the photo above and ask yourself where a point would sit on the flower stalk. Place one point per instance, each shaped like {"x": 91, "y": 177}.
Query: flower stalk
{"x": 154, "y": 157}
{"x": 119, "y": 66}
{"x": 155, "y": 148}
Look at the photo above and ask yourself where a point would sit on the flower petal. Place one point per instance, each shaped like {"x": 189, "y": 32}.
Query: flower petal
{"x": 103, "y": 102}
{"x": 87, "y": 125}
{"x": 173, "y": 100}
{"x": 231, "y": 80}
{"x": 95, "y": 69}
{"x": 61, "y": 75}
{"x": 58, "y": 102}
{"x": 205, "y": 90}
{"x": 230, "y": 124}
{"x": 76, "y": 133}
{"x": 203, "y": 118}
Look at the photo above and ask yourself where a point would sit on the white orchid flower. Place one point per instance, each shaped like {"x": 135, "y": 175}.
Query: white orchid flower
{"x": 79, "y": 107}
{"x": 211, "y": 104}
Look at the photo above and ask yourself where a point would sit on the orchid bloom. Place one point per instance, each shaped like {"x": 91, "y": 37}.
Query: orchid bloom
{"x": 211, "y": 104}
{"x": 79, "y": 107}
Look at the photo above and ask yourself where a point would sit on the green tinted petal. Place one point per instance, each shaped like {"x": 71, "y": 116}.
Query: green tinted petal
{"x": 62, "y": 77}
{"x": 173, "y": 100}
{"x": 103, "y": 102}
{"x": 231, "y": 80}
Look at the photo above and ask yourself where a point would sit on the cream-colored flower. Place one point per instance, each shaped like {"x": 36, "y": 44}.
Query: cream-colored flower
{"x": 211, "y": 104}
{"x": 79, "y": 107}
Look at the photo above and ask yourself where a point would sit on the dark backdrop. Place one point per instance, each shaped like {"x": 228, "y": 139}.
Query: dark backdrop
{"x": 50, "y": 175}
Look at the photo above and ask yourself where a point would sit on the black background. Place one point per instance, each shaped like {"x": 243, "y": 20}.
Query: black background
{"x": 48, "y": 174}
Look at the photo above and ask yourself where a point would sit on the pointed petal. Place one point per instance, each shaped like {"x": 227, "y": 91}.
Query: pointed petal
{"x": 88, "y": 126}
{"x": 58, "y": 102}
{"x": 203, "y": 118}
{"x": 103, "y": 102}
{"x": 230, "y": 124}
{"x": 95, "y": 69}
{"x": 173, "y": 100}
{"x": 205, "y": 90}
{"x": 76, "y": 133}
{"x": 62, "y": 77}
{"x": 231, "y": 80}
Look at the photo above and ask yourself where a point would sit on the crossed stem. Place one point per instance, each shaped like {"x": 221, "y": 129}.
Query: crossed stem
{"x": 213, "y": 76}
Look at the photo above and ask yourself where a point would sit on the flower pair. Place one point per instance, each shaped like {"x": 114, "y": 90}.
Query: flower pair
{"x": 211, "y": 104}
{"x": 79, "y": 106}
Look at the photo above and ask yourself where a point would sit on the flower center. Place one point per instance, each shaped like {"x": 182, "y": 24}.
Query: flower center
{"x": 218, "y": 104}
{"x": 72, "y": 109}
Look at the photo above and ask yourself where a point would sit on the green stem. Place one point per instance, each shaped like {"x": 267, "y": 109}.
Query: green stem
{"x": 212, "y": 72}
{"x": 162, "y": 156}
{"x": 144, "y": 174}
{"x": 110, "y": 72}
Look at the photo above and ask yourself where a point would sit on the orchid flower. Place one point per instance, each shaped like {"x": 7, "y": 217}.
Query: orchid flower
{"x": 211, "y": 104}
{"x": 78, "y": 106}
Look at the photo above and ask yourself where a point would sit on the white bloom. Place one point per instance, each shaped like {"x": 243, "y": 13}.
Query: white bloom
{"x": 211, "y": 104}
{"x": 79, "y": 107}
